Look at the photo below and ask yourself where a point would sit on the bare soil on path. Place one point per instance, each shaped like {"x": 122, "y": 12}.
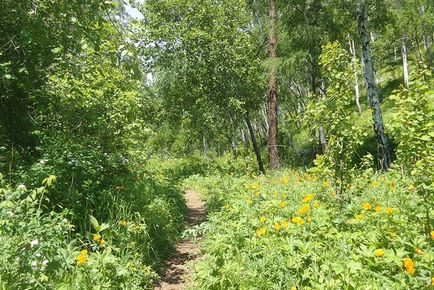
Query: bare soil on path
{"x": 175, "y": 274}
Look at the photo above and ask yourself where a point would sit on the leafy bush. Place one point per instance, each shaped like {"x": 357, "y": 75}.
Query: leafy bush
{"x": 290, "y": 232}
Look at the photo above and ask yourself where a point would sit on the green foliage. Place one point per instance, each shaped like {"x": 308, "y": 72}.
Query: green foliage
{"x": 413, "y": 126}
{"x": 335, "y": 112}
{"x": 288, "y": 231}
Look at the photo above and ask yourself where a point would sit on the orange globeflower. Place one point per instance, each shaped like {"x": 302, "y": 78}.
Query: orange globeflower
{"x": 359, "y": 217}
{"x": 96, "y": 238}
{"x": 392, "y": 234}
{"x": 409, "y": 266}
{"x": 432, "y": 235}
{"x": 390, "y": 210}
{"x": 379, "y": 253}
{"x": 308, "y": 198}
{"x": 82, "y": 257}
{"x": 282, "y": 204}
{"x": 304, "y": 209}
{"x": 378, "y": 208}
{"x": 367, "y": 206}
{"x": 261, "y": 232}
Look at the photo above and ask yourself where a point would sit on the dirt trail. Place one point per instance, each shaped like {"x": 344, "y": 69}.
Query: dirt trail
{"x": 186, "y": 251}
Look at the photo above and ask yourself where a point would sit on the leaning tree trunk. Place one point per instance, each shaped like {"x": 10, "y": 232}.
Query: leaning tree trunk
{"x": 383, "y": 151}
{"x": 254, "y": 143}
{"x": 273, "y": 153}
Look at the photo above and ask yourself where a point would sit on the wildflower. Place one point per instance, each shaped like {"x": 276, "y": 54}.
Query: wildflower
{"x": 249, "y": 201}
{"x": 432, "y": 281}
{"x": 308, "y": 198}
{"x": 284, "y": 196}
{"x": 419, "y": 251}
{"x": 285, "y": 180}
{"x": 284, "y": 224}
{"x": 123, "y": 223}
{"x": 96, "y": 238}
{"x": 359, "y": 216}
{"x": 297, "y": 220}
{"x": 316, "y": 204}
{"x": 295, "y": 288}
{"x": 82, "y": 257}
{"x": 379, "y": 253}
{"x": 309, "y": 218}
{"x": 304, "y": 209}
{"x": 255, "y": 186}
{"x": 261, "y": 232}
{"x": 326, "y": 184}
{"x": 102, "y": 243}
{"x": 282, "y": 204}
{"x": 367, "y": 206}
{"x": 378, "y": 208}
{"x": 392, "y": 186}
{"x": 258, "y": 194}
{"x": 262, "y": 219}
{"x": 390, "y": 210}
{"x": 392, "y": 234}
{"x": 409, "y": 266}
{"x": 277, "y": 227}
{"x": 432, "y": 235}
{"x": 374, "y": 184}
{"x": 411, "y": 187}
{"x": 34, "y": 243}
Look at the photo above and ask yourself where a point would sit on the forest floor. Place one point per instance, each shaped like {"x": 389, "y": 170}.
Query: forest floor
{"x": 176, "y": 271}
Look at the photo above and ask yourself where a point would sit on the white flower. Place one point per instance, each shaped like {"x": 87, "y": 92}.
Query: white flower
{"x": 22, "y": 187}
{"x": 34, "y": 243}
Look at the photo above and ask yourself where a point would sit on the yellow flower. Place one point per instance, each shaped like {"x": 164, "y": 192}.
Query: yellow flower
{"x": 284, "y": 196}
{"x": 262, "y": 219}
{"x": 284, "y": 224}
{"x": 432, "y": 235}
{"x": 432, "y": 281}
{"x": 390, "y": 210}
{"x": 316, "y": 204}
{"x": 304, "y": 209}
{"x": 379, "y": 253}
{"x": 282, "y": 204}
{"x": 285, "y": 180}
{"x": 309, "y": 197}
{"x": 249, "y": 201}
{"x": 409, "y": 265}
{"x": 411, "y": 187}
{"x": 82, "y": 257}
{"x": 326, "y": 184}
{"x": 123, "y": 223}
{"x": 419, "y": 251}
{"x": 359, "y": 217}
{"x": 309, "y": 218}
{"x": 374, "y": 184}
{"x": 392, "y": 234}
{"x": 277, "y": 227}
{"x": 258, "y": 194}
{"x": 297, "y": 220}
{"x": 96, "y": 238}
{"x": 255, "y": 186}
{"x": 392, "y": 186}
{"x": 102, "y": 243}
{"x": 378, "y": 208}
{"x": 261, "y": 232}
{"x": 295, "y": 288}
{"x": 367, "y": 206}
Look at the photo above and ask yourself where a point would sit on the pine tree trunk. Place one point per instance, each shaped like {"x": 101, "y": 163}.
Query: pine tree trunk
{"x": 383, "y": 152}
{"x": 273, "y": 153}
{"x": 254, "y": 143}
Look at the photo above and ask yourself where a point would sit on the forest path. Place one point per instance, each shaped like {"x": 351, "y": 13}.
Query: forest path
{"x": 186, "y": 251}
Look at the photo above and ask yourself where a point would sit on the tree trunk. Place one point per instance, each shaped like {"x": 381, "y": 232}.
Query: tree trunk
{"x": 383, "y": 157}
{"x": 273, "y": 153}
{"x": 254, "y": 143}
{"x": 405, "y": 60}
{"x": 356, "y": 78}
